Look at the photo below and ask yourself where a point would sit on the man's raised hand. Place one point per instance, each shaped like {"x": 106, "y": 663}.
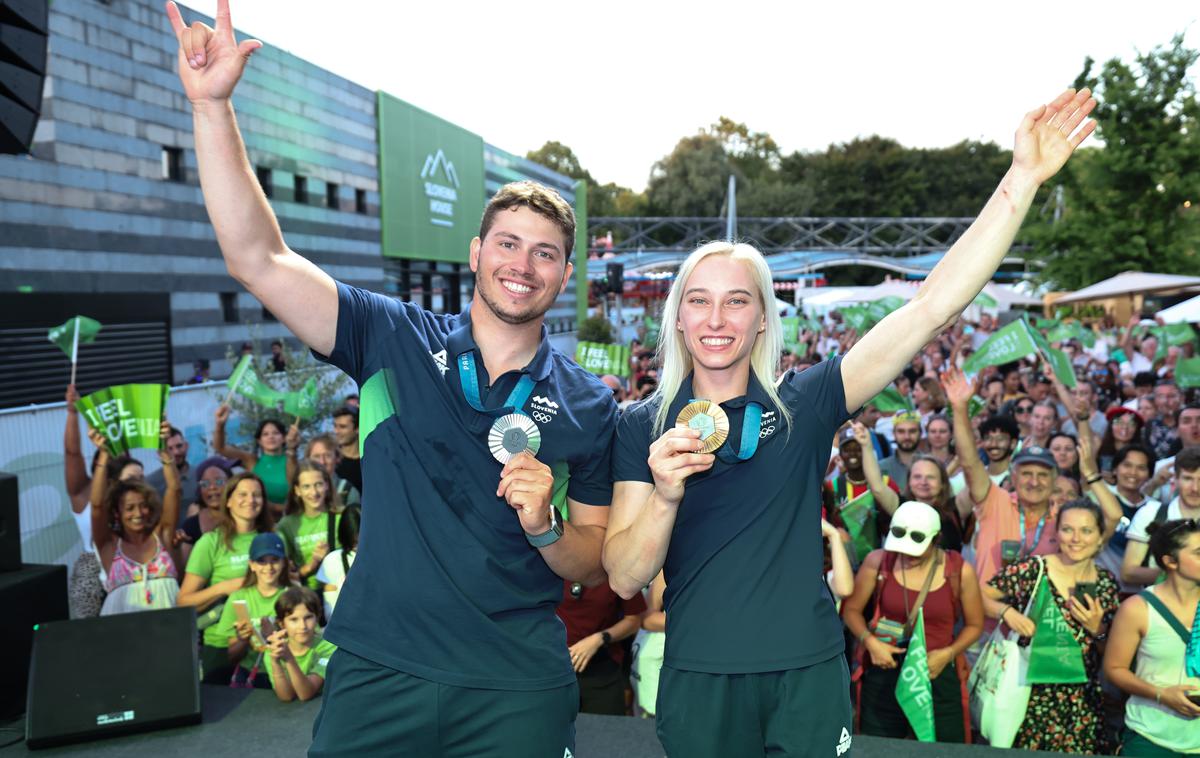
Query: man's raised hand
{"x": 210, "y": 60}
{"x": 1050, "y": 133}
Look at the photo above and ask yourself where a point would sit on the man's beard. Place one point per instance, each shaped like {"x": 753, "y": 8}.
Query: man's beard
{"x": 516, "y": 319}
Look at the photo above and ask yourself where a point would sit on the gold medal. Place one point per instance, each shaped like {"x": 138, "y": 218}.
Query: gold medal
{"x": 512, "y": 435}
{"x": 709, "y": 419}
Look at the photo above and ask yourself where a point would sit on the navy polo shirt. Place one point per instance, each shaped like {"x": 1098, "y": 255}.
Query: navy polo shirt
{"x": 746, "y": 590}
{"x": 444, "y": 585}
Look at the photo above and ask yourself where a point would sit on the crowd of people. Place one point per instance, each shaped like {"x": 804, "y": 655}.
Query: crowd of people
{"x": 1096, "y": 488}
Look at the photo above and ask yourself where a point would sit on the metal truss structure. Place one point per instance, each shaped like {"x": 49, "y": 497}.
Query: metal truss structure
{"x": 901, "y": 237}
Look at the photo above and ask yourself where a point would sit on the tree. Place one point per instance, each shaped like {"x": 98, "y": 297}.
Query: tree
{"x": 603, "y": 199}
{"x": 1125, "y": 206}
{"x": 692, "y": 180}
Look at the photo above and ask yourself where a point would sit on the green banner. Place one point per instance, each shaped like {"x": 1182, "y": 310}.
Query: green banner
{"x": 914, "y": 690}
{"x": 859, "y": 517}
{"x": 890, "y": 401}
{"x": 431, "y": 183}
{"x": 1055, "y": 656}
{"x": 603, "y": 359}
{"x": 791, "y": 333}
{"x": 1173, "y": 335}
{"x": 1059, "y": 363}
{"x": 1009, "y": 344}
{"x": 75, "y": 331}
{"x": 1187, "y": 373}
{"x": 128, "y": 415}
{"x": 975, "y": 406}
{"x": 303, "y": 402}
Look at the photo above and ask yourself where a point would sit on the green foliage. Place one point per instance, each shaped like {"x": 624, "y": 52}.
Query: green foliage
{"x": 692, "y": 180}
{"x": 596, "y": 329}
{"x": 332, "y": 387}
{"x": 603, "y": 199}
{"x": 1123, "y": 205}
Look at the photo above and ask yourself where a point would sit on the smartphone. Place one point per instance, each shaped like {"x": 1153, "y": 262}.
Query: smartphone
{"x": 1194, "y": 697}
{"x": 267, "y": 627}
{"x": 1084, "y": 588}
{"x": 241, "y": 609}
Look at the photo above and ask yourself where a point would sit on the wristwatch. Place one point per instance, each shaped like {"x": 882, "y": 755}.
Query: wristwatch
{"x": 551, "y": 535}
{"x": 606, "y": 638}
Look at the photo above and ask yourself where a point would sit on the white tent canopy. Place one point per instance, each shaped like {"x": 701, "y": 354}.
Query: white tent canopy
{"x": 1131, "y": 283}
{"x": 1007, "y": 297}
{"x": 1187, "y": 312}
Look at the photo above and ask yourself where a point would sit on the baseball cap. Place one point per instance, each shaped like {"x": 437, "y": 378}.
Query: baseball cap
{"x": 1034, "y": 454}
{"x": 846, "y": 435}
{"x": 912, "y": 520}
{"x": 267, "y": 543}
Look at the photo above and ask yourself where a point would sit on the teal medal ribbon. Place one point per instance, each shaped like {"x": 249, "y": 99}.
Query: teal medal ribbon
{"x": 1192, "y": 653}
{"x": 751, "y": 424}
{"x": 468, "y": 376}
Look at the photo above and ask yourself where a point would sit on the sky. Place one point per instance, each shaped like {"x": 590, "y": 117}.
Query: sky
{"x": 622, "y": 82}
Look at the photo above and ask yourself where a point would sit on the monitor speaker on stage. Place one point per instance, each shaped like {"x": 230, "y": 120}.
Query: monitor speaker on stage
{"x": 24, "y": 28}
{"x": 10, "y": 524}
{"x": 30, "y": 596}
{"x": 615, "y": 276}
{"x": 101, "y": 677}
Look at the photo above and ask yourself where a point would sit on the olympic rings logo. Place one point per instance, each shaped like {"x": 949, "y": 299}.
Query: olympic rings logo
{"x": 765, "y": 432}
{"x": 540, "y": 417}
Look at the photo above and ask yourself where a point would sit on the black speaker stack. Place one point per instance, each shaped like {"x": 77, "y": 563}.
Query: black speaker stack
{"x": 24, "y": 28}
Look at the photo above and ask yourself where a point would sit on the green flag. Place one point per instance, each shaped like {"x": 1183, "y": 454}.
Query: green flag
{"x": 1187, "y": 372}
{"x": 128, "y": 415}
{"x": 652, "y": 328}
{"x": 890, "y": 401}
{"x": 914, "y": 691}
{"x": 984, "y": 300}
{"x": 891, "y": 302}
{"x": 791, "y": 333}
{"x": 1046, "y": 323}
{"x": 1172, "y": 335}
{"x": 859, "y": 517}
{"x": 974, "y": 407}
{"x": 857, "y": 318}
{"x": 303, "y": 402}
{"x": 1055, "y": 656}
{"x": 1009, "y": 344}
{"x": 1059, "y": 363}
{"x": 245, "y": 381}
{"x": 603, "y": 359}
{"x": 73, "y": 332}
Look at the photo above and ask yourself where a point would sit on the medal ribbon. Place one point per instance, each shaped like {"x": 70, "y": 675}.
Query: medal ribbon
{"x": 468, "y": 376}
{"x": 751, "y": 423}
{"x": 1037, "y": 535}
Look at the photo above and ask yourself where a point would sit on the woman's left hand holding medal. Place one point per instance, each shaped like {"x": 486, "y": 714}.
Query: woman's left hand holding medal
{"x": 673, "y": 458}
{"x": 527, "y": 484}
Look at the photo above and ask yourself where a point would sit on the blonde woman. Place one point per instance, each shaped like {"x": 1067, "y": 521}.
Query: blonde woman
{"x": 754, "y": 652}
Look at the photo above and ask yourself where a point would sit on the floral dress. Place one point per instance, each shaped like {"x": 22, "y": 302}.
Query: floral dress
{"x": 1063, "y": 718}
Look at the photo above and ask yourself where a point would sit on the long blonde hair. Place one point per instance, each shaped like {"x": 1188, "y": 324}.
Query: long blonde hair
{"x": 673, "y": 355}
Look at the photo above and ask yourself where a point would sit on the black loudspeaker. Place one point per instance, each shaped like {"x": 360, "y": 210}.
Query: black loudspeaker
{"x": 24, "y": 28}
{"x": 10, "y": 524}
{"x": 31, "y": 596}
{"x": 615, "y": 274}
{"x": 101, "y": 677}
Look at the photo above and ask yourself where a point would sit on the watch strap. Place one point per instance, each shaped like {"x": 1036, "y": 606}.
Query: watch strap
{"x": 551, "y": 535}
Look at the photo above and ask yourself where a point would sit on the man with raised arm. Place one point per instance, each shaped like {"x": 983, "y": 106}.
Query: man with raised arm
{"x": 727, "y": 503}
{"x": 447, "y": 638}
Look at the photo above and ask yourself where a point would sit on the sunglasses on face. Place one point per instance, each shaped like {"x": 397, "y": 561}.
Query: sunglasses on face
{"x": 206, "y": 484}
{"x": 1024, "y": 408}
{"x": 918, "y": 537}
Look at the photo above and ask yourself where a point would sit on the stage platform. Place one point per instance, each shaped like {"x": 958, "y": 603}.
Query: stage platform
{"x": 255, "y": 723}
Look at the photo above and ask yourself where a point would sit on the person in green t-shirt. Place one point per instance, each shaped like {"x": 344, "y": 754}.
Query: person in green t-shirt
{"x": 265, "y": 581}
{"x": 217, "y": 567}
{"x": 309, "y": 529}
{"x": 297, "y": 653}
{"x": 273, "y": 457}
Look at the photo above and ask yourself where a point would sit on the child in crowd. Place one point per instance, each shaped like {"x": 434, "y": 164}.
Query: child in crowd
{"x": 309, "y": 526}
{"x": 337, "y": 564}
{"x": 265, "y": 581}
{"x": 298, "y": 654}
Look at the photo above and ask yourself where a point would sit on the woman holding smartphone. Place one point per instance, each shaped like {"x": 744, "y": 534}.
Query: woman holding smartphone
{"x": 266, "y": 579}
{"x": 1063, "y": 717}
{"x": 1162, "y": 715}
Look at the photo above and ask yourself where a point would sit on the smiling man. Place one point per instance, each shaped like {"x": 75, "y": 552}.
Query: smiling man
{"x": 448, "y": 643}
